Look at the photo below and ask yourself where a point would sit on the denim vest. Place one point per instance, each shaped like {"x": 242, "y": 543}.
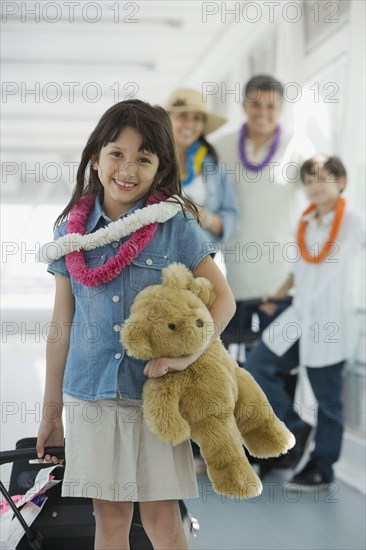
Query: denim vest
{"x": 97, "y": 366}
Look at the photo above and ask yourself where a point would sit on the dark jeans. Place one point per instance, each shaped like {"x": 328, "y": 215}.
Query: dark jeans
{"x": 269, "y": 371}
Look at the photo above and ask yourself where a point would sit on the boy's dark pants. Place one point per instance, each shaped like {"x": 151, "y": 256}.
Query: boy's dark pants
{"x": 268, "y": 370}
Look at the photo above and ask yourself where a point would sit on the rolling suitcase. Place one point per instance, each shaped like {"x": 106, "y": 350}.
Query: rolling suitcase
{"x": 63, "y": 523}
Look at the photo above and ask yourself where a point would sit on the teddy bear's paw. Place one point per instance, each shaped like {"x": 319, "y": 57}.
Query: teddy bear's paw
{"x": 269, "y": 440}
{"x": 290, "y": 443}
{"x": 239, "y": 483}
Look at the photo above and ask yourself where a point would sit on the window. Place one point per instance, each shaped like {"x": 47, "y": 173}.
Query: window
{"x": 320, "y": 113}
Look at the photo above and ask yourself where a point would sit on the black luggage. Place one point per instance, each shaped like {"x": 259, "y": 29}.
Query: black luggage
{"x": 63, "y": 523}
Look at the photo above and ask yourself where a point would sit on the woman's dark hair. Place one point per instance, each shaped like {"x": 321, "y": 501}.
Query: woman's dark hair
{"x": 210, "y": 149}
{"x": 264, "y": 83}
{"x": 154, "y": 124}
{"x": 331, "y": 164}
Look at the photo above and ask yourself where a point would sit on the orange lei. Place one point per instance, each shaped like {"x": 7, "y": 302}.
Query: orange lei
{"x": 327, "y": 248}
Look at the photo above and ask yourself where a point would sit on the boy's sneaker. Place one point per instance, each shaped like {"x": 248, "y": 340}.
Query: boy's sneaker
{"x": 309, "y": 478}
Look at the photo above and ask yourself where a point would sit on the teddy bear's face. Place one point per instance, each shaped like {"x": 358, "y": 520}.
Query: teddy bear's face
{"x": 166, "y": 322}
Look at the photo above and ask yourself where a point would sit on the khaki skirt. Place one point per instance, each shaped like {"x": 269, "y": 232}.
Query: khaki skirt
{"x": 112, "y": 455}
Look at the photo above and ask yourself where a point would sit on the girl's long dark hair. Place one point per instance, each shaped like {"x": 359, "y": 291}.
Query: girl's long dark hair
{"x": 154, "y": 124}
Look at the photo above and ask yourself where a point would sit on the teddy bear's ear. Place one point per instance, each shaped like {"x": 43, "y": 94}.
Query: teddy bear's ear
{"x": 204, "y": 290}
{"x": 177, "y": 276}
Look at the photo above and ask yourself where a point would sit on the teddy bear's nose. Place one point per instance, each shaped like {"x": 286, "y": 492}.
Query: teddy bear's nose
{"x": 199, "y": 323}
{"x": 171, "y": 326}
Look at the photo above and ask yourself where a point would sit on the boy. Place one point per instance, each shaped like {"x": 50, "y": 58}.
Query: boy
{"x": 329, "y": 237}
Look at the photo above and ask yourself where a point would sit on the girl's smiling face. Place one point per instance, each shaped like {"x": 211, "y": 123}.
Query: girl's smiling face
{"x": 125, "y": 172}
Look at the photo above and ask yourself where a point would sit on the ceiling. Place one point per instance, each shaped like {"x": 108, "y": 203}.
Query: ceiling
{"x": 65, "y": 63}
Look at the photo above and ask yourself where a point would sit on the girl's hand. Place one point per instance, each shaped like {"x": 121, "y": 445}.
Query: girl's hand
{"x": 50, "y": 434}
{"x": 268, "y": 307}
{"x": 161, "y": 366}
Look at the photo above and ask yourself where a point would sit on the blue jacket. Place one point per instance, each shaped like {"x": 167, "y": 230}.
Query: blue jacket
{"x": 221, "y": 198}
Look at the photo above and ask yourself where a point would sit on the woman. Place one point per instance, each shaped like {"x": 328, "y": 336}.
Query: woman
{"x": 204, "y": 180}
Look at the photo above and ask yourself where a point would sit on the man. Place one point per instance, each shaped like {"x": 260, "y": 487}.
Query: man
{"x": 265, "y": 162}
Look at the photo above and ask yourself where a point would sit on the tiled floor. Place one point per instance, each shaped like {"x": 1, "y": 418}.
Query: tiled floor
{"x": 278, "y": 519}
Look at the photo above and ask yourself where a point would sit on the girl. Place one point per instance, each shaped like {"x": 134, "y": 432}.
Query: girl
{"x": 111, "y": 456}
{"x": 204, "y": 180}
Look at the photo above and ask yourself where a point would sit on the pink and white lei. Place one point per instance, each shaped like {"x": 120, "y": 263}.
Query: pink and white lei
{"x": 143, "y": 223}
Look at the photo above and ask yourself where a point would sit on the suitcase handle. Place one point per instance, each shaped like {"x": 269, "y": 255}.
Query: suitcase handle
{"x": 29, "y": 454}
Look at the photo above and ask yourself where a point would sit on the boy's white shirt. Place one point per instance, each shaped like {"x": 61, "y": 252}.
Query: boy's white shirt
{"x": 325, "y": 308}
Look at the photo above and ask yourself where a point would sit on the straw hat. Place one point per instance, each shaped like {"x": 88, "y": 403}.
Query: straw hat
{"x": 187, "y": 100}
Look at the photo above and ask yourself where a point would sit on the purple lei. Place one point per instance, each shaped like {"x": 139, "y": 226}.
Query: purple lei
{"x": 272, "y": 150}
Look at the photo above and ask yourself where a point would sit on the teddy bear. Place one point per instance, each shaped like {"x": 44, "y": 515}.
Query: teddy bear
{"x": 214, "y": 402}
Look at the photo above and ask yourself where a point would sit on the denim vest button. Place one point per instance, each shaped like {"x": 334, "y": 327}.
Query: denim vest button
{"x": 117, "y": 328}
{"x": 115, "y": 298}
{"x": 115, "y": 245}
{"x": 117, "y": 355}
{"x": 149, "y": 261}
